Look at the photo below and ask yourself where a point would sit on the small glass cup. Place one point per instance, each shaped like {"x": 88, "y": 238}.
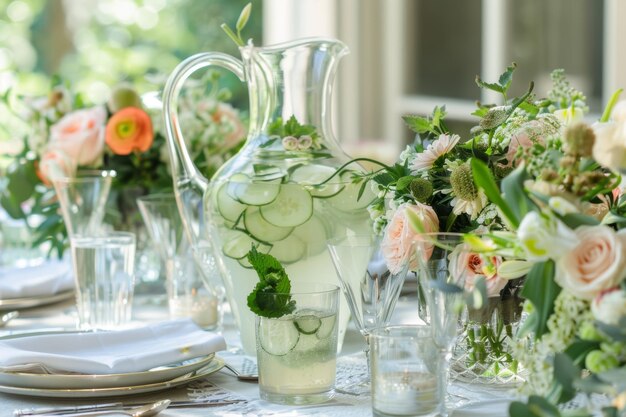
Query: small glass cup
{"x": 105, "y": 280}
{"x": 297, "y": 353}
{"x": 406, "y": 372}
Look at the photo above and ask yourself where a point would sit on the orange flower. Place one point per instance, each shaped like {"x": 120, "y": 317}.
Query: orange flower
{"x": 128, "y": 130}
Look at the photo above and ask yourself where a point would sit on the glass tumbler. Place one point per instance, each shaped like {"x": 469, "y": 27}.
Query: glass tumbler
{"x": 406, "y": 372}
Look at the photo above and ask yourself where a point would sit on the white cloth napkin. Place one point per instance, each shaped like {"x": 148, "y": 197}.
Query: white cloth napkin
{"x": 49, "y": 278}
{"x": 124, "y": 351}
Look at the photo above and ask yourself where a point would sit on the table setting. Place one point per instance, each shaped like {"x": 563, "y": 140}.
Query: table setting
{"x": 478, "y": 277}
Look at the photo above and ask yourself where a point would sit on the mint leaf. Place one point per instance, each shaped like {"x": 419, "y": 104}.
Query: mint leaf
{"x": 271, "y": 295}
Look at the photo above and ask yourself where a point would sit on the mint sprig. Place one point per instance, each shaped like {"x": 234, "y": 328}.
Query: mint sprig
{"x": 271, "y": 296}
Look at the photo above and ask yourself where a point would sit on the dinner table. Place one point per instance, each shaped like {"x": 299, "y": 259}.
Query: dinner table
{"x": 221, "y": 393}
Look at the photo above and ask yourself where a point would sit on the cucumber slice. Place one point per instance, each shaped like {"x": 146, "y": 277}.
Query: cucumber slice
{"x": 312, "y": 175}
{"x": 255, "y": 193}
{"x": 228, "y": 207}
{"x": 259, "y": 228}
{"x": 348, "y": 198}
{"x": 292, "y": 206}
{"x": 307, "y": 324}
{"x": 327, "y": 325}
{"x": 237, "y": 245}
{"x": 314, "y": 233}
{"x": 277, "y": 337}
{"x": 289, "y": 250}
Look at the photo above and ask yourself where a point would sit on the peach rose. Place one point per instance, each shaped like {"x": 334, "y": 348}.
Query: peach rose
{"x": 55, "y": 163}
{"x": 472, "y": 265}
{"x": 399, "y": 239}
{"x": 80, "y": 135}
{"x": 597, "y": 263}
{"x": 128, "y": 130}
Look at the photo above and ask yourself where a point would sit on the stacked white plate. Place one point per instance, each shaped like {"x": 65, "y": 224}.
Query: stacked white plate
{"x": 127, "y": 362}
{"x": 32, "y": 286}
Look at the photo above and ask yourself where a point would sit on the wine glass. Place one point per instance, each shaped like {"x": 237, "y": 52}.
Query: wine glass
{"x": 443, "y": 262}
{"x": 369, "y": 286}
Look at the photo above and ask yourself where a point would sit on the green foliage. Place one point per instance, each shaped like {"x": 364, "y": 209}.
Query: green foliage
{"x": 541, "y": 289}
{"x": 271, "y": 295}
{"x": 484, "y": 179}
{"x": 536, "y": 407}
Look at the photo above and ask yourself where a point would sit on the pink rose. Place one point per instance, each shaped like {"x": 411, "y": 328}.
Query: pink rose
{"x": 80, "y": 135}
{"x": 472, "y": 265}
{"x": 399, "y": 239}
{"x": 597, "y": 263}
{"x": 54, "y": 164}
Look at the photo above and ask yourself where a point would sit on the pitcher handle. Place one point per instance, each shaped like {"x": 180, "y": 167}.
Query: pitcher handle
{"x": 183, "y": 168}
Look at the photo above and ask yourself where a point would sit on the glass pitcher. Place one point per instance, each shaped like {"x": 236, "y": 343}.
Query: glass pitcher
{"x": 271, "y": 194}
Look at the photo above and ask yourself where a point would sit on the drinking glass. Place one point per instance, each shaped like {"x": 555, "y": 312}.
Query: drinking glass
{"x": 443, "y": 260}
{"x": 297, "y": 353}
{"x": 104, "y": 275}
{"x": 371, "y": 289}
{"x": 83, "y": 200}
{"x": 406, "y": 370}
{"x": 189, "y": 295}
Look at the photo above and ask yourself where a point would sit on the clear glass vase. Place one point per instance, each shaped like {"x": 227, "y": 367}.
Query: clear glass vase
{"x": 484, "y": 351}
{"x": 281, "y": 192}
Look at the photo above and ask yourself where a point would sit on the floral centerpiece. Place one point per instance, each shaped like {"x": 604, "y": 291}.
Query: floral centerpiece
{"x": 66, "y": 134}
{"x": 566, "y": 211}
{"x": 436, "y": 186}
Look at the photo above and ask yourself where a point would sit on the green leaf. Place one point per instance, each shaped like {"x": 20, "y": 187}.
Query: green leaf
{"x": 565, "y": 373}
{"x": 488, "y": 86}
{"x": 514, "y": 195}
{"x": 417, "y": 124}
{"x": 484, "y": 179}
{"x": 579, "y": 349}
{"x": 536, "y": 407}
{"x": 507, "y": 76}
{"x": 271, "y": 295}
{"x": 12, "y": 207}
{"x": 403, "y": 182}
{"x": 541, "y": 289}
{"x": 574, "y": 220}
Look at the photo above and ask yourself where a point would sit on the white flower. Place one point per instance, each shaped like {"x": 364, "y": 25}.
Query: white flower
{"x": 609, "y": 307}
{"x": 570, "y": 115}
{"x": 544, "y": 238}
{"x": 439, "y": 147}
{"x": 609, "y": 148}
{"x": 470, "y": 207}
{"x": 407, "y": 153}
{"x": 562, "y": 206}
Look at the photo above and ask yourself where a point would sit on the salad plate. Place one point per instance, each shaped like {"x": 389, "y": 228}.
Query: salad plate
{"x": 29, "y": 302}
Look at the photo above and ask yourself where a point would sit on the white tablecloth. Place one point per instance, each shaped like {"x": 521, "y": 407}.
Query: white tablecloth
{"x": 223, "y": 384}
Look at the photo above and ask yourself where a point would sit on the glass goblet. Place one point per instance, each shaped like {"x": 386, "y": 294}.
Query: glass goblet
{"x": 442, "y": 267}
{"x": 370, "y": 287}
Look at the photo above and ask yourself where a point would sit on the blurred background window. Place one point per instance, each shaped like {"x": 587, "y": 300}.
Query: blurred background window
{"x": 407, "y": 55}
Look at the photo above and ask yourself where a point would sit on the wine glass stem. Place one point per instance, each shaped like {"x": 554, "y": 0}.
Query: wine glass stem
{"x": 446, "y": 355}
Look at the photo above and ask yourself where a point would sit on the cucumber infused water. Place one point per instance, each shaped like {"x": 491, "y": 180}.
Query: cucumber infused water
{"x": 283, "y": 210}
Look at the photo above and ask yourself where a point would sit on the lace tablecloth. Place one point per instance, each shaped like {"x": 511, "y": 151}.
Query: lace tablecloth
{"x": 223, "y": 385}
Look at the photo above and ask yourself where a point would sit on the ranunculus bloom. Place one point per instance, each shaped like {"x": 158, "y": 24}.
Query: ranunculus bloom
{"x": 426, "y": 159}
{"x": 472, "y": 265}
{"x": 609, "y": 307}
{"x": 597, "y": 263}
{"x": 80, "y": 135}
{"x": 399, "y": 239}
{"x": 128, "y": 130}
{"x": 55, "y": 163}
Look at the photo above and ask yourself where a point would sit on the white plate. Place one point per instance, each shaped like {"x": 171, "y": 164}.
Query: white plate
{"x": 79, "y": 381}
{"x": 215, "y": 365}
{"x": 28, "y": 302}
